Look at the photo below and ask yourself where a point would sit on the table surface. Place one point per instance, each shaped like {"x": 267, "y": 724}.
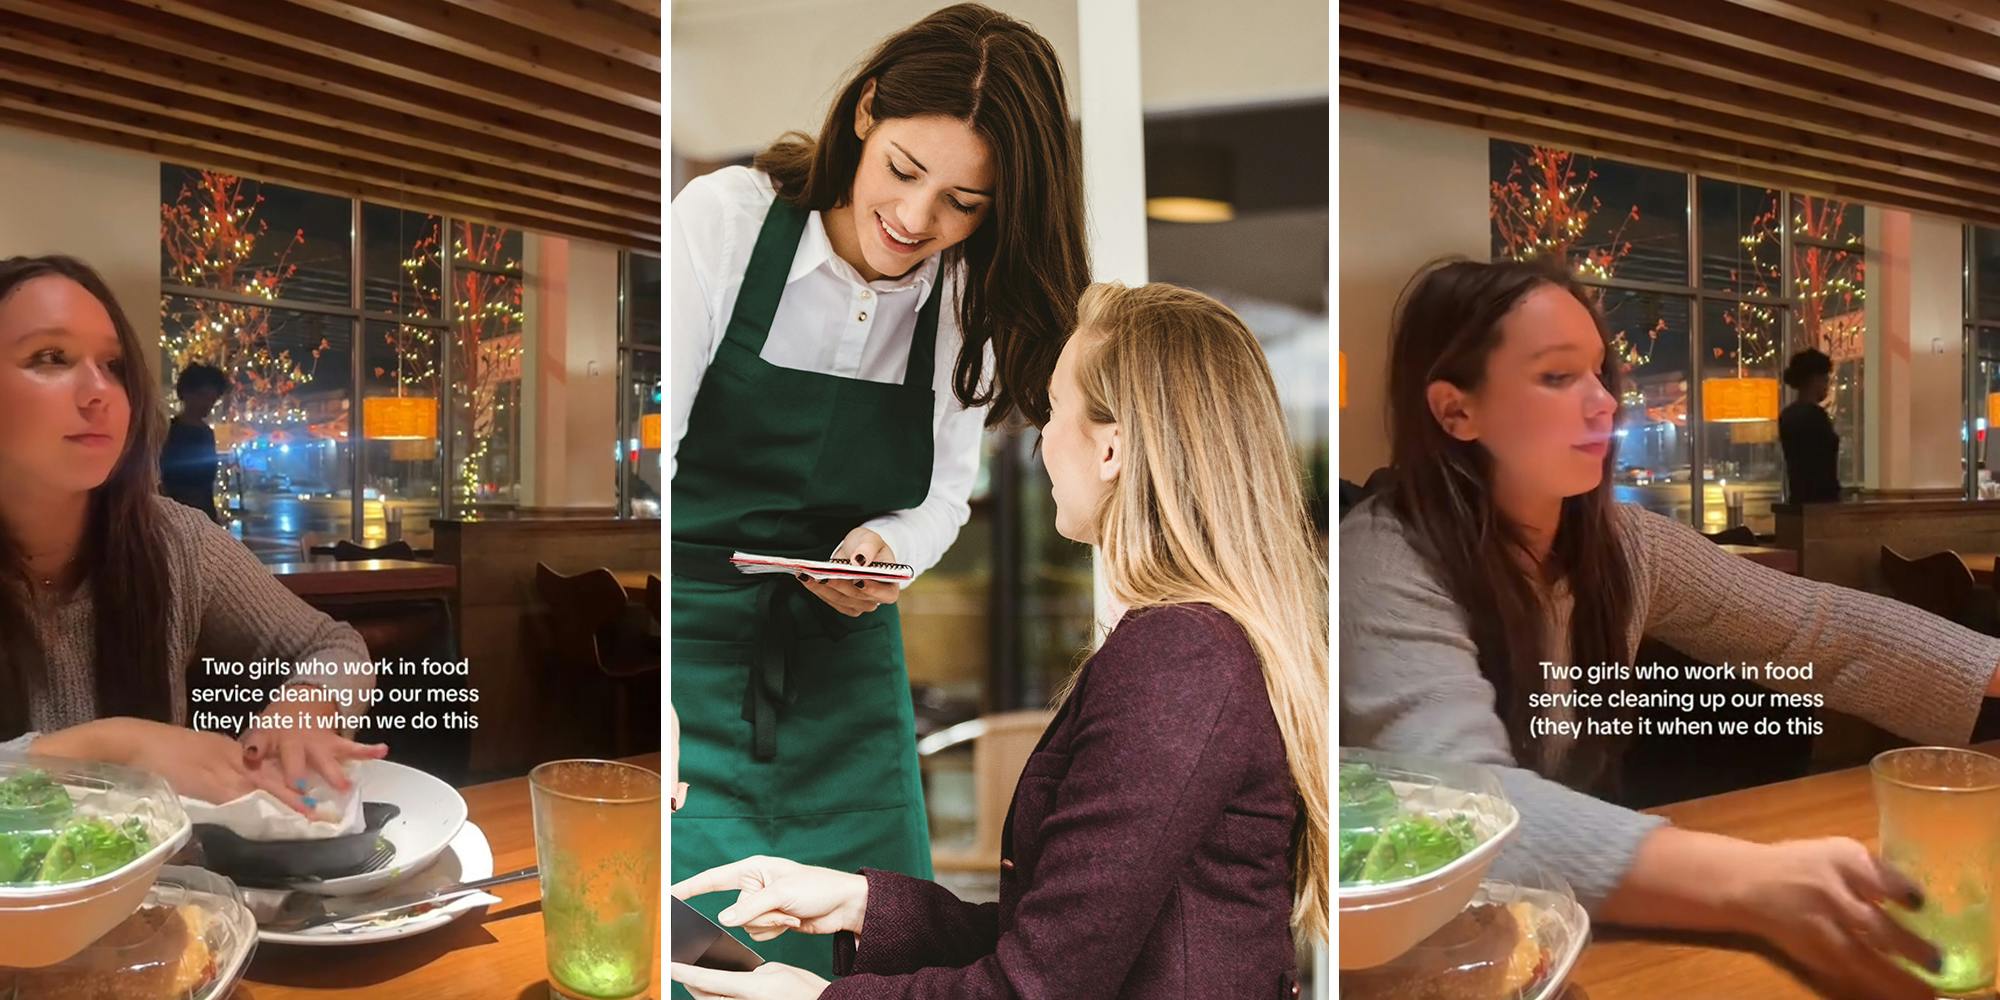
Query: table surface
{"x": 368, "y": 576}
{"x": 633, "y": 580}
{"x": 497, "y": 955}
{"x": 1769, "y": 555}
{"x": 1981, "y": 564}
{"x": 1631, "y": 965}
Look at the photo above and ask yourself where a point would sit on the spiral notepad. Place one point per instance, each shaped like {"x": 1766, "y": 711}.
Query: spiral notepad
{"x": 823, "y": 570}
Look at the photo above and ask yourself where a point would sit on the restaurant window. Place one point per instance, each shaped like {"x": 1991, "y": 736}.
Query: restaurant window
{"x": 1982, "y": 369}
{"x": 355, "y": 413}
{"x": 485, "y": 369}
{"x": 255, "y": 280}
{"x": 1771, "y": 273}
{"x": 639, "y": 465}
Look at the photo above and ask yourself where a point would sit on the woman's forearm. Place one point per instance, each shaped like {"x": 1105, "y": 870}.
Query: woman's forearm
{"x": 100, "y": 740}
{"x": 1682, "y": 880}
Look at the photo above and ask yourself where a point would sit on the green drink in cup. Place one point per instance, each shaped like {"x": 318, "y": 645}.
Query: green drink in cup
{"x": 1940, "y": 826}
{"x": 597, "y": 839}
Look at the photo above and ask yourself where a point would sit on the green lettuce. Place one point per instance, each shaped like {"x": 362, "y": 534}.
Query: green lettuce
{"x": 32, "y": 800}
{"x": 1366, "y": 800}
{"x": 1354, "y": 848}
{"x": 88, "y": 847}
{"x": 1417, "y": 845}
{"x": 21, "y": 855}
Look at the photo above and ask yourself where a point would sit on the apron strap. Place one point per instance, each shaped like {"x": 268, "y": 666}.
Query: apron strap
{"x": 764, "y": 277}
{"x": 923, "y": 343}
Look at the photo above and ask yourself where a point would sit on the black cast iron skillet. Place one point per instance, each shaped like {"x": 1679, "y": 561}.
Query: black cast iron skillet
{"x": 281, "y": 862}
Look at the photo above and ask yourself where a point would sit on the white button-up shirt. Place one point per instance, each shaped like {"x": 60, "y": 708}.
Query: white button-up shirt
{"x": 830, "y": 320}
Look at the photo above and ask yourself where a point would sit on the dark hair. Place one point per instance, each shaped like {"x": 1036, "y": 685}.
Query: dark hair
{"x": 121, "y": 553}
{"x": 1022, "y": 271}
{"x": 1446, "y": 327}
{"x": 1807, "y": 365}
{"x": 200, "y": 376}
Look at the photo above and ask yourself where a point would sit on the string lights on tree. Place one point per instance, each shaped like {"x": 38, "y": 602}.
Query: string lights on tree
{"x": 1544, "y": 211}
{"x": 212, "y": 237}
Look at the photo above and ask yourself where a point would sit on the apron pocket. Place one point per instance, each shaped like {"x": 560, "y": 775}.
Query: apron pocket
{"x": 848, "y": 742}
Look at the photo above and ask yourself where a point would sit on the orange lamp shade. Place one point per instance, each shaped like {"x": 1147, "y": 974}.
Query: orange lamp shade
{"x": 1993, "y": 409}
{"x": 1737, "y": 400}
{"x": 1343, "y": 380}
{"x": 649, "y": 432}
{"x": 399, "y": 418}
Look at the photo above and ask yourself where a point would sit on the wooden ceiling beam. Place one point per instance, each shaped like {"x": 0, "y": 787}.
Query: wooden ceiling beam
{"x": 244, "y": 164}
{"x": 1890, "y": 26}
{"x": 291, "y": 157}
{"x": 96, "y": 55}
{"x": 603, "y": 26}
{"x": 1385, "y": 59}
{"x": 1745, "y": 156}
{"x": 1804, "y": 45}
{"x": 181, "y": 113}
{"x": 511, "y": 47}
{"x": 1510, "y": 30}
{"x": 621, "y": 143}
{"x": 1973, "y": 15}
{"x": 1504, "y": 127}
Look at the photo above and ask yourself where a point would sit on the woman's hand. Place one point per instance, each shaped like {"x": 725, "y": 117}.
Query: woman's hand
{"x": 311, "y": 743}
{"x": 855, "y": 598}
{"x": 206, "y": 766}
{"x": 1821, "y": 902}
{"x": 771, "y": 981}
{"x": 775, "y": 895}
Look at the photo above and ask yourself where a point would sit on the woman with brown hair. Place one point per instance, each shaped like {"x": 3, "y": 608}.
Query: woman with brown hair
{"x": 1168, "y": 837}
{"x": 847, "y": 316}
{"x": 110, "y": 593}
{"x": 1497, "y": 550}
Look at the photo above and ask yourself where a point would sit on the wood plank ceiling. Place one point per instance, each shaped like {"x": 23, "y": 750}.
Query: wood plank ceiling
{"x": 1891, "y": 103}
{"x": 540, "y": 114}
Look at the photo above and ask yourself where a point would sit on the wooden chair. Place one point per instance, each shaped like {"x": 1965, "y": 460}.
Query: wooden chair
{"x": 346, "y": 551}
{"x": 590, "y": 621}
{"x": 1739, "y": 535}
{"x": 653, "y": 595}
{"x": 1001, "y": 746}
{"x": 1938, "y": 583}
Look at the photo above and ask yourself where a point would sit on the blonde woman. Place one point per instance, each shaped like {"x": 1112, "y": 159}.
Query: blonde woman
{"x": 1169, "y": 834}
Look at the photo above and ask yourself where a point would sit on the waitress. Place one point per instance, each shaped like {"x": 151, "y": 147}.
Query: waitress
{"x": 836, "y": 310}
{"x": 1806, "y": 434}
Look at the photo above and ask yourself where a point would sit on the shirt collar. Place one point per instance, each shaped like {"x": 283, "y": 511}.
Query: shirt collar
{"x": 816, "y": 251}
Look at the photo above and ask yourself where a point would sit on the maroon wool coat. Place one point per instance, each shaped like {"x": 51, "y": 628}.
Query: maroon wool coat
{"x": 1147, "y": 853}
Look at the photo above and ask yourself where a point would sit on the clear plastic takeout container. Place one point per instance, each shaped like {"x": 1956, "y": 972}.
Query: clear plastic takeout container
{"x": 1514, "y": 940}
{"x": 80, "y": 844}
{"x": 191, "y": 939}
{"x": 1417, "y": 834}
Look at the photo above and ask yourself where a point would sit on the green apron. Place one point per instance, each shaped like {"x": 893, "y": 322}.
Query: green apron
{"x": 797, "y": 734}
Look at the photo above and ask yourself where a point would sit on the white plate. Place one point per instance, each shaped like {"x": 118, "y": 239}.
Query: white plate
{"x": 466, "y": 858}
{"x": 432, "y": 813}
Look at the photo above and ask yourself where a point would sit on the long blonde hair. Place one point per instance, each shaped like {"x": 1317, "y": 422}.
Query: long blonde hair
{"x": 1208, "y": 508}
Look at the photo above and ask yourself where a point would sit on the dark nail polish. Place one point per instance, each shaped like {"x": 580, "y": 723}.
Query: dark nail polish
{"x": 859, "y": 585}
{"x": 1936, "y": 964}
{"x": 1916, "y": 900}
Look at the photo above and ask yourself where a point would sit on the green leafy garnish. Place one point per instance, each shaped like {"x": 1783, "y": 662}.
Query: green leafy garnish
{"x": 89, "y": 847}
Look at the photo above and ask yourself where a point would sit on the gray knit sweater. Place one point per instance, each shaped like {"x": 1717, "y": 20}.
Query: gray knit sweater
{"x": 1410, "y": 681}
{"x": 223, "y": 603}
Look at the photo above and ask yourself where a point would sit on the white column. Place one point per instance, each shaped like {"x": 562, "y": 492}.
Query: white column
{"x": 1114, "y": 169}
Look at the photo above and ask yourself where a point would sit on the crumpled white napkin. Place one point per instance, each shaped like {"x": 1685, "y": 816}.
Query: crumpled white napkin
{"x": 260, "y": 815}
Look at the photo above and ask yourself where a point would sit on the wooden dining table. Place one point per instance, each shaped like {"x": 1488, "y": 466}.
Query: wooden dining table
{"x": 1981, "y": 565}
{"x": 369, "y": 578}
{"x": 1786, "y": 560}
{"x": 498, "y": 954}
{"x": 634, "y": 581}
{"x": 1622, "y": 964}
